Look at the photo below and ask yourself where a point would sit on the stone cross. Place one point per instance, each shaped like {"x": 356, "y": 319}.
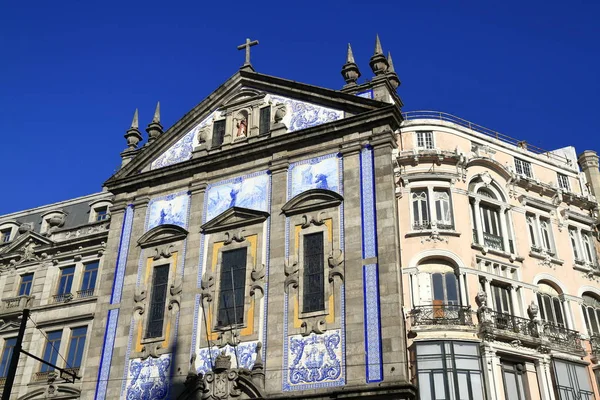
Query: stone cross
{"x": 247, "y": 46}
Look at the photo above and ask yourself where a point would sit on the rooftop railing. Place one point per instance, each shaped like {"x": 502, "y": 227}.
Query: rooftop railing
{"x": 442, "y": 116}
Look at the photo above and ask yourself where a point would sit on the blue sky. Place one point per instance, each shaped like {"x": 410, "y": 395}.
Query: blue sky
{"x": 72, "y": 73}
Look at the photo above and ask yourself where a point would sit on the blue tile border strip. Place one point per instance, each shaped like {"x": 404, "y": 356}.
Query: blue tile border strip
{"x": 117, "y": 288}
{"x": 107, "y": 351}
{"x": 373, "y": 350}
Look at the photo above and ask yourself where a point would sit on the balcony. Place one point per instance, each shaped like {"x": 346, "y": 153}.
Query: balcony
{"x": 595, "y": 346}
{"x": 531, "y": 333}
{"x": 83, "y": 294}
{"x": 62, "y": 297}
{"x": 493, "y": 241}
{"x": 508, "y": 326}
{"x": 442, "y": 314}
{"x": 15, "y": 305}
{"x": 562, "y": 338}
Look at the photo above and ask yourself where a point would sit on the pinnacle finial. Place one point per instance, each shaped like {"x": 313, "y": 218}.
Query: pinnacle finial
{"x": 135, "y": 122}
{"x": 378, "y": 49}
{"x": 350, "y": 70}
{"x": 391, "y": 72}
{"x": 156, "y": 117}
{"x": 349, "y": 55}
{"x": 390, "y": 62}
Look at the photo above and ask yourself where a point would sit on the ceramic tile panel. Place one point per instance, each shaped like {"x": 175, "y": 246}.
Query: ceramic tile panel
{"x": 245, "y": 353}
{"x": 249, "y": 191}
{"x": 302, "y": 115}
{"x": 169, "y": 209}
{"x": 149, "y": 379}
{"x": 316, "y": 173}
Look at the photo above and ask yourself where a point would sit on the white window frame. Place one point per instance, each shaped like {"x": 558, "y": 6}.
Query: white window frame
{"x": 584, "y": 251}
{"x": 446, "y": 219}
{"x": 419, "y": 200}
{"x": 431, "y": 222}
{"x": 563, "y": 181}
{"x": 523, "y": 168}
{"x": 424, "y": 140}
{"x": 97, "y": 205}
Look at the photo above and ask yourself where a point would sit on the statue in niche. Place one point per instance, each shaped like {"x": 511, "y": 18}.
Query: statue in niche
{"x": 242, "y": 128}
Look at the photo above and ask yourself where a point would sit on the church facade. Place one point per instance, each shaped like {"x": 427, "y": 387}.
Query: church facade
{"x": 283, "y": 240}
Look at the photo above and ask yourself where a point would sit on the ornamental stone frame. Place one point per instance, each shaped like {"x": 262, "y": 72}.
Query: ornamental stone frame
{"x": 236, "y": 228}
{"x": 161, "y": 245}
{"x": 315, "y": 211}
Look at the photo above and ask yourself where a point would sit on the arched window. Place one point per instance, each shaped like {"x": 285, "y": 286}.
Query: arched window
{"x": 532, "y": 234}
{"x": 551, "y": 307}
{"x": 546, "y": 234}
{"x": 591, "y": 313}
{"x": 490, "y": 217}
{"x": 420, "y": 209}
{"x": 575, "y": 244}
{"x": 443, "y": 209}
{"x": 588, "y": 247}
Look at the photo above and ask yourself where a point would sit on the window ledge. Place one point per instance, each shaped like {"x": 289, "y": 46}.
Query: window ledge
{"x": 587, "y": 268}
{"x": 428, "y": 232}
{"x": 485, "y": 250}
{"x": 546, "y": 256}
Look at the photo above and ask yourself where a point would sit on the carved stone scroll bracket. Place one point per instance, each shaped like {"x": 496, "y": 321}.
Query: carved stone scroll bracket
{"x": 336, "y": 265}
{"x": 151, "y": 350}
{"x": 175, "y": 292}
{"x": 308, "y": 220}
{"x": 258, "y": 279}
{"x": 139, "y": 297}
{"x": 314, "y": 324}
{"x": 231, "y": 237}
{"x": 292, "y": 275}
{"x": 208, "y": 281}
{"x": 162, "y": 252}
{"x": 228, "y": 338}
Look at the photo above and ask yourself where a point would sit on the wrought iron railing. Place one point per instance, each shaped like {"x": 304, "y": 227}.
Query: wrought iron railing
{"x": 513, "y": 324}
{"x": 62, "y": 297}
{"x": 420, "y": 225}
{"x": 82, "y": 294}
{"x": 595, "y": 345}
{"x": 562, "y": 336}
{"x": 441, "y": 116}
{"x": 442, "y": 314}
{"x": 493, "y": 241}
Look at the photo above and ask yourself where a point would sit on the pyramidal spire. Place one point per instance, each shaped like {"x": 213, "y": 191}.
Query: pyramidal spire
{"x": 156, "y": 117}
{"x": 350, "y": 70}
{"x": 378, "y": 49}
{"x": 135, "y": 124}
{"x": 390, "y": 62}
{"x": 349, "y": 55}
{"x": 154, "y": 128}
{"x": 378, "y": 62}
{"x": 391, "y": 72}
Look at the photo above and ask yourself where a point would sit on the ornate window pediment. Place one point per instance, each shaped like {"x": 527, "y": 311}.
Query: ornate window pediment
{"x": 162, "y": 234}
{"x": 25, "y": 247}
{"x": 234, "y": 217}
{"x": 311, "y": 200}
{"x": 241, "y": 98}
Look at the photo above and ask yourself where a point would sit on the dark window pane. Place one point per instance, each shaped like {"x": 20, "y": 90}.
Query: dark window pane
{"x": 313, "y": 298}
{"x": 66, "y": 280}
{"x": 160, "y": 281}
{"x": 51, "y": 350}
{"x": 218, "y": 133}
{"x": 265, "y": 120}
{"x": 9, "y": 345}
{"x": 90, "y": 273}
{"x": 451, "y": 289}
{"x": 438, "y": 287}
{"x": 232, "y": 291}
{"x": 75, "y": 353}
{"x": 548, "y": 306}
{"x": 558, "y": 311}
{"x": 25, "y": 286}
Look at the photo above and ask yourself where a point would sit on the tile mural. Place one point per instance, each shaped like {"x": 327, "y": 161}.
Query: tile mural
{"x": 302, "y": 115}
{"x": 314, "y": 360}
{"x": 246, "y": 354}
{"x": 316, "y": 173}
{"x": 170, "y": 209}
{"x": 250, "y": 191}
{"x": 149, "y": 379}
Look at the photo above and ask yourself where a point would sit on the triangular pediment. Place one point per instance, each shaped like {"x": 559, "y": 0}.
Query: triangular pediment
{"x": 305, "y": 106}
{"x": 26, "y": 244}
{"x": 8, "y": 326}
{"x": 162, "y": 234}
{"x": 233, "y": 218}
{"x": 312, "y": 200}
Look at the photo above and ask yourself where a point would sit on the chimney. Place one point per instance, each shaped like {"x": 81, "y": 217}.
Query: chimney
{"x": 588, "y": 162}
